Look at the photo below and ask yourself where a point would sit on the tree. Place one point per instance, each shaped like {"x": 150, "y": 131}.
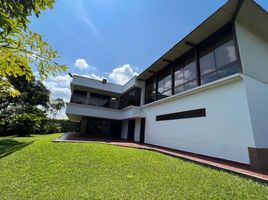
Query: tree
{"x": 32, "y": 94}
{"x": 55, "y": 106}
{"x": 21, "y": 48}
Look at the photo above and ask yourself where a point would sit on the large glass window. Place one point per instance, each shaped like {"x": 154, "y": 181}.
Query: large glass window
{"x": 164, "y": 83}
{"x": 130, "y": 98}
{"x": 225, "y": 54}
{"x": 150, "y": 90}
{"x": 79, "y": 96}
{"x": 218, "y": 60}
{"x": 185, "y": 74}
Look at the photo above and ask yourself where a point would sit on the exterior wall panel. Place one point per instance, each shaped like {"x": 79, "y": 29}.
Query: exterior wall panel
{"x": 225, "y": 132}
{"x": 253, "y": 52}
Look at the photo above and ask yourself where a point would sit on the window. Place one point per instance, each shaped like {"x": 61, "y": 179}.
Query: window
{"x": 79, "y": 96}
{"x": 185, "y": 74}
{"x": 150, "y": 90}
{"x": 207, "y": 61}
{"x": 80, "y": 92}
{"x": 218, "y": 59}
{"x": 132, "y": 97}
{"x": 164, "y": 83}
{"x": 225, "y": 54}
{"x": 182, "y": 115}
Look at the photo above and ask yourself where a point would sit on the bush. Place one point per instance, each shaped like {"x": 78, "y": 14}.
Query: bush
{"x": 52, "y": 128}
{"x": 23, "y": 124}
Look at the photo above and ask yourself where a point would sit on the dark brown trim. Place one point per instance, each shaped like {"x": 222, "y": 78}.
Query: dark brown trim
{"x": 197, "y": 67}
{"x": 258, "y": 158}
{"x": 172, "y": 79}
{"x": 236, "y": 45}
{"x": 167, "y": 60}
{"x": 237, "y": 9}
{"x": 190, "y": 44}
{"x": 142, "y": 130}
{"x": 153, "y": 72}
{"x": 182, "y": 115}
{"x": 156, "y": 86}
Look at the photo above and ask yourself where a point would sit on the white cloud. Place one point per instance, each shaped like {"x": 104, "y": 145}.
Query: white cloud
{"x": 122, "y": 74}
{"x": 59, "y": 87}
{"x": 94, "y": 76}
{"x": 81, "y": 64}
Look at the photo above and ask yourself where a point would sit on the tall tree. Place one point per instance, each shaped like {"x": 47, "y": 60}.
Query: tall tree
{"x": 32, "y": 94}
{"x": 21, "y": 48}
{"x": 55, "y": 106}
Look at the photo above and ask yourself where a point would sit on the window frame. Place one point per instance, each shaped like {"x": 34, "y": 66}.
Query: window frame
{"x": 165, "y": 73}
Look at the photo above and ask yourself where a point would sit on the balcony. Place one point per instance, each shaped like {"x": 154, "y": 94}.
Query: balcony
{"x": 92, "y": 101}
{"x": 76, "y": 110}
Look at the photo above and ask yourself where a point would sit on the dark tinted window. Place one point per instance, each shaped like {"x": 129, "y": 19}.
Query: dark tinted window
{"x": 164, "y": 83}
{"x": 207, "y": 61}
{"x": 189, "y": 72}
{"x": 150, "y": 90}
{"x": 130, "y": 98}
{"x": 218, "y": 59}
{"x": 185, "y": 74}
{"x": 225, "y": 54}
{"x": 80, "y": 92}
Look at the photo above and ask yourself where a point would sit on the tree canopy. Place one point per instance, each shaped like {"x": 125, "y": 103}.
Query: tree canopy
{"x": 32, "y": 93}
{"x": 20, "y": 48}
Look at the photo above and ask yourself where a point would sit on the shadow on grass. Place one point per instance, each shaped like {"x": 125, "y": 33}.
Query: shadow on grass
{"x": 9, "y": 146}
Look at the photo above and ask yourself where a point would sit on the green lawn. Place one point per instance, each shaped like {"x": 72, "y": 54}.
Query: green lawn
{"x": 36, "y": 168}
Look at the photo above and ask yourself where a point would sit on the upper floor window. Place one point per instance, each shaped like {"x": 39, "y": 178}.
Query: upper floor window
{"x": 185, "y": 74}
{"x": 218, "y": 60}
{"x": 80, "y": 92}
{"x": 150, "y": 90}
{"x": 130, "y": 98}
{"x": 164, "y": 83}
{"x": 79, "y": 96}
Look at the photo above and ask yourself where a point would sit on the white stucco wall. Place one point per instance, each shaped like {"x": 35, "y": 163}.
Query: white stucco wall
{"x": 257, "y": 94}
{"x": 225, "y": 132}
{"x": 253, "y": 49}
{"x": 253, "y": 52}
{"x": 137, "y": 130}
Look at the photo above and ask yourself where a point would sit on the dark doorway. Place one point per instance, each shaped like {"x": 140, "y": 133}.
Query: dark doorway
{"x": 131, "y": 129}
{"x": 142, "y": 130}
{"x": 103, "y": 128}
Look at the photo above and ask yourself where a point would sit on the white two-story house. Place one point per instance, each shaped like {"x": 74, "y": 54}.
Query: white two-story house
{"x": 207, "y": 95}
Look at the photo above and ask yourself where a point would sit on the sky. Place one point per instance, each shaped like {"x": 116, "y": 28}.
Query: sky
{"x": 116, "y": 39}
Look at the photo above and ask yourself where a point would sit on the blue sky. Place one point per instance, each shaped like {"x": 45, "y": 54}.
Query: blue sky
{"x": 117, "y": 39}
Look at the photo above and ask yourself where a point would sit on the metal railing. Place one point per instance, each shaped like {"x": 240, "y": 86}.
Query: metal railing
{"x": 93, "y": 101}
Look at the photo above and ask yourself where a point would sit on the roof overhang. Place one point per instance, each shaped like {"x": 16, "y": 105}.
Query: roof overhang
{"x": 254, "y": 17}
{"x": 213, "y": 23}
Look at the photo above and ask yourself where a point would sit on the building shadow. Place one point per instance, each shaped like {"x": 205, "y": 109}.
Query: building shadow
{"x": 9, "y": 146}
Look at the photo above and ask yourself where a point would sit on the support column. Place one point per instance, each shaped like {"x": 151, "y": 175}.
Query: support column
{"x": 83, "y": 125}
{"x": 137, "y": 130}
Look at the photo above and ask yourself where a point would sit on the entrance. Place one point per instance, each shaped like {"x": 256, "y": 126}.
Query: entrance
{"x": 131, "y": 129}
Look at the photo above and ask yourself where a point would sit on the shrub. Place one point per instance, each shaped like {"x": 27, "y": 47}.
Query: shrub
{"x": 52, "y": 128}
{"x": 23, "y": 124}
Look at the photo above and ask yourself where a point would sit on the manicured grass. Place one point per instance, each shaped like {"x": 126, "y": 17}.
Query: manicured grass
{"x": 36, "y": 168}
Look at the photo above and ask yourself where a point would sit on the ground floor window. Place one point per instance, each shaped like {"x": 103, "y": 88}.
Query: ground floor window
{"x": 97, "y": 127}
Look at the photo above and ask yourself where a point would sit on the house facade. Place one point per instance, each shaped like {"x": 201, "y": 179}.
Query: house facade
{"x": 207, "y": 95}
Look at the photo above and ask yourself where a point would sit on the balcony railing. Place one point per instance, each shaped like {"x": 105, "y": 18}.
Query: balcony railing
{"x": 95, "y": 101}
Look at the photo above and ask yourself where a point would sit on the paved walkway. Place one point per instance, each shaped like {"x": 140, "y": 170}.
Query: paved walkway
{"x": 238, "y": 168}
